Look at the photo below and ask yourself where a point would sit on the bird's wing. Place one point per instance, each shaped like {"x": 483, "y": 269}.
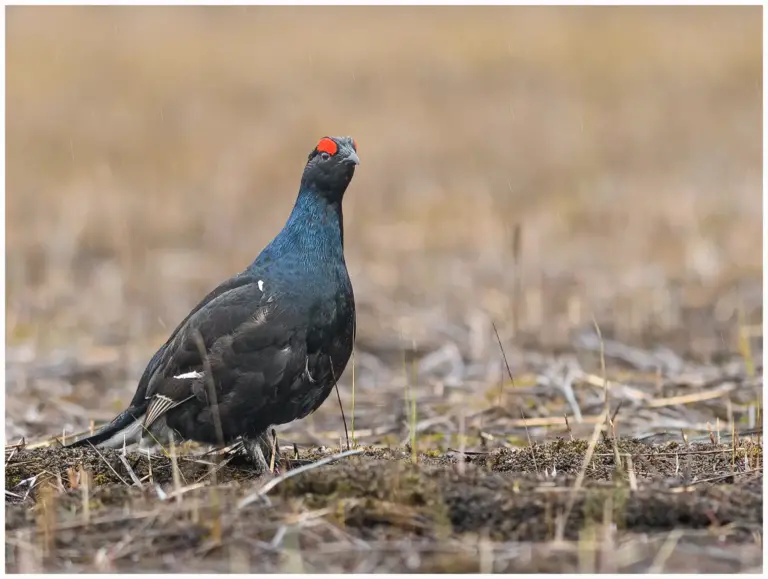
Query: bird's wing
{"x": 232, "y": 283}
{"x": 244, "y": 332}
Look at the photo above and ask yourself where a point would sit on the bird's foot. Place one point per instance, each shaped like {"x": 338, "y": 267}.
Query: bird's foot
{"x": 260, "y": 450}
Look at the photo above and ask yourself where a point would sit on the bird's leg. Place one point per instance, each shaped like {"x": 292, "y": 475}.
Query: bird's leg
{"x": 260, "y": 448}
{"x": 256, "y": 454}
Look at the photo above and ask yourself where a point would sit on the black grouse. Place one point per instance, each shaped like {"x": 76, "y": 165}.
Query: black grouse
{"x": 267, "y": 345}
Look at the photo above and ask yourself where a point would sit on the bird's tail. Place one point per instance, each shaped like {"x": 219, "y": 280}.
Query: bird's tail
{"x": 126, "y": 429}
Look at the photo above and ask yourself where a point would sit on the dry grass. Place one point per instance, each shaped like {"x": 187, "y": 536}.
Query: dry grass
{"x": 546, "y": 170}
{"x": 361, "y": 512}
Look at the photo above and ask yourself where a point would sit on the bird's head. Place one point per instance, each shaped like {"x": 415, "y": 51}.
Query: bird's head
{"x": 330, "y": 167}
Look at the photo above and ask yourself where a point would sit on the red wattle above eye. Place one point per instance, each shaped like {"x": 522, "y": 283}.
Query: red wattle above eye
{"x": 327, "y": 145}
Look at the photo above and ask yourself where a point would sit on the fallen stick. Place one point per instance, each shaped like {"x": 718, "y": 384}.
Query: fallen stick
{"x": 291, "y": 473}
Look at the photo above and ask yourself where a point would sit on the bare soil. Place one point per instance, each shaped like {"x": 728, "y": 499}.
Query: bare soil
{"x": 339, "y": 515}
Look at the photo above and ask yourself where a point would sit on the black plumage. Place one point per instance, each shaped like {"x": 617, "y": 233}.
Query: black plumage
{"x": 266, "y": 346}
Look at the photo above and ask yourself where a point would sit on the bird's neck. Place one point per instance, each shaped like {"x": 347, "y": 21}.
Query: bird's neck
{"x": 314, "y": 232}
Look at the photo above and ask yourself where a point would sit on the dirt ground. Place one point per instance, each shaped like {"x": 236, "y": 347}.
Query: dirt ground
{"x": 557, "y": 217}
{"x": 385, "y": 510}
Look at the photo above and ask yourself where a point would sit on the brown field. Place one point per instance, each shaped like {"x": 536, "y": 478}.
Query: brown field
{"x": 549, "y": 171}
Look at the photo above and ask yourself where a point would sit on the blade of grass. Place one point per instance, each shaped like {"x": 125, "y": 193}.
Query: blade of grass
{"x": 512, "y": 380}
{"x": 341, "y": 406}
{"x": 563, "y": 519}
{"x": 352, "y": 419}
{"x": 109, "y": 465}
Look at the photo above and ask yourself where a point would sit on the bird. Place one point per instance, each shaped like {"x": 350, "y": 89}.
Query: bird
{"x": 266, "y": 346}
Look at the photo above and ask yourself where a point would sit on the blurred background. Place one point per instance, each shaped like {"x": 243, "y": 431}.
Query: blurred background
{"x": 528, "y": 167}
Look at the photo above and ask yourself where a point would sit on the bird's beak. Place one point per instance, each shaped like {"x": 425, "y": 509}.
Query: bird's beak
{"x": 352, "y": 158}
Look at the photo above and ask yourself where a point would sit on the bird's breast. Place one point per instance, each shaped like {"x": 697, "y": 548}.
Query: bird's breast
{"x": 331, "y": 320}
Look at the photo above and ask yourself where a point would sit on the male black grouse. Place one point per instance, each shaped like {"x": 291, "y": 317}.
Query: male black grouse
{"x": 276, "y": 336}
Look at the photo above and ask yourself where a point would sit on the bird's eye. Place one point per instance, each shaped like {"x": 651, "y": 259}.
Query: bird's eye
{"x": 325, "y": 156}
